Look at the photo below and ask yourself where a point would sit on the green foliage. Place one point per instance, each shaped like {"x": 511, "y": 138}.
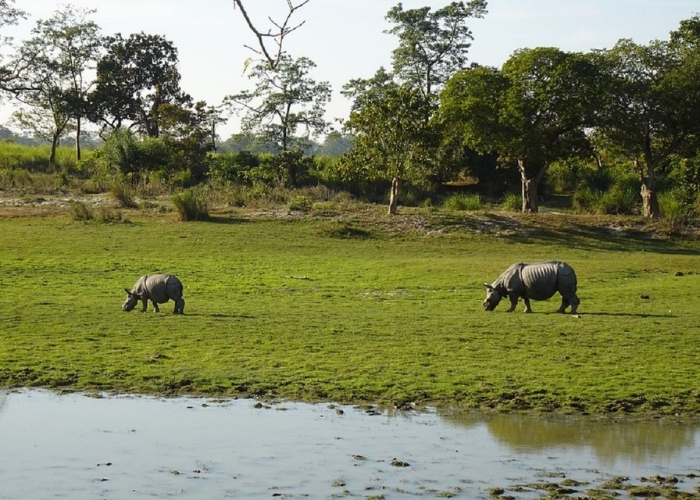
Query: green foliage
{"x": 135, "y": 76}
{"x": 432, "y": 45}
{"x": 285, "y": 99}
{"x": 463, "y": 202}
{"x": 620, "y": 200}
{"x": 353, "y": 311}
{"x": 123, "y": 194}
{"x": 301, "y": 203}
{"x": 511, "y": 202}
{"x": 191, "y": 205}
{"x": 233, "y": 167}
{"x": 674, "y": 207}
{"x": 35, "y": 159}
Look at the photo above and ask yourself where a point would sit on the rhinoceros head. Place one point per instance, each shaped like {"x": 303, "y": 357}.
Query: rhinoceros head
{"x": 131, "y": 300}
{"x": 492, "y": 298}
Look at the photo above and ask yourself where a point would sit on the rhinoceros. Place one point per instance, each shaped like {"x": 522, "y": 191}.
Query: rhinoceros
{"x": 158, "y": 288}
{"x": 538, "y": 281}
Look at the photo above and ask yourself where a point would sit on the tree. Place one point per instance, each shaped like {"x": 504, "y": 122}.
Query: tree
{"x": 135, "y": 77}
{"x": 651, "y": 105}
{"x": 62, "y": 50}
{"x": 11, "y": 73}
{"x": 533, "y": 111}
{"x": 392, "y": 138}
{"x": 277, "y": 37}
{"x": 73, "y": 42}
{"x": 284, "y": 100}
{"x": 432, "y": 45}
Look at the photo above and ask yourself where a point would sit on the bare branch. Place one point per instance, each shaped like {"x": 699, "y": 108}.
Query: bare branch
{"x": 282, "y": 30}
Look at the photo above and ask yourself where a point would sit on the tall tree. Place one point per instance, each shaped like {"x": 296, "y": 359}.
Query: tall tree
{"x": 74, "y": 42}
{"x": 391, "y": 138}
{"x": 135, "y": 77}
{"x": 533, "y": 111}
{"x": 285, "y": 99}
{"x": 652, "y": 104}
{"x": 62, "y": 49}
{"x": 432, "y": 45}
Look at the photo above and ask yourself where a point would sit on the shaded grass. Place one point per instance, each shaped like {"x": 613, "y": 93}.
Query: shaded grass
{"x": 287, "y": 308}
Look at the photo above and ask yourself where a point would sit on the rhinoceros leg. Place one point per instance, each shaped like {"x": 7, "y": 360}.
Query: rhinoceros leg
{"x": 513, "y": 302}
{"x": 155, "y": 307}
{"x": 564, "y": 305}
{"x": 145, "y": 305}
{"x": 179, "y": 306}
{"x": 574, "y": 301}
{"x": 528, "y": 309}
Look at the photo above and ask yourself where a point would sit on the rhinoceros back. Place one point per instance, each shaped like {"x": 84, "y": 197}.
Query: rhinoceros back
{"x": 543, "y": 279}
{"x": 159, "y": 287}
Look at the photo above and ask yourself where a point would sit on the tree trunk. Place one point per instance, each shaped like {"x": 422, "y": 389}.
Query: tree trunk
{"x": 394, "y": 196}
{"x": 650, "y": 201}
{"x": 530, "y": 185}
{"x": 54, "y": 145}
{"x": 77, "y": 139}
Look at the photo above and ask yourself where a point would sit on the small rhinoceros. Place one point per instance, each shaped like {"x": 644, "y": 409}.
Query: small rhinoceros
{"x": 158, "y": 288}
{"x": 538, "y": 281}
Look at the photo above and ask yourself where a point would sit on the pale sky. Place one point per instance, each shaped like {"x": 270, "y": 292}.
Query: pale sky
{"x": 345, "y": 37}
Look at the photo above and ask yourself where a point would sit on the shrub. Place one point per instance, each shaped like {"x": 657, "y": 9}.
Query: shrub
{"x": 122, "y": 194}
{"x": 81, "y": 212}
{"x": 301, "y": 203}
{"x": 107, "y": 215}
{"x": 463, "y": 202}
{"x": 584, "y": 200}
{"x": 191, "y": 205}
{"x": 674, "y": 208}
{"x": 620, "y": 201}
{"x": 511, "y": 202}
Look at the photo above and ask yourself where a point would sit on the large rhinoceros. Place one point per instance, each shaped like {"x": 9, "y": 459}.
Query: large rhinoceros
{"x": 158, "y": 288}
{"x": 538, "y": 281}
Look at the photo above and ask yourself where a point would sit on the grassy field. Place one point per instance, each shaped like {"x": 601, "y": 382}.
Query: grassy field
{"x": 353, "y": 308}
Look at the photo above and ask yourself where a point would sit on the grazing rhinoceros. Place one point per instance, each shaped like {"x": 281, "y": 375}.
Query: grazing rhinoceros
{"x": 158, "y": 288}
{"x": 538, "y": 281}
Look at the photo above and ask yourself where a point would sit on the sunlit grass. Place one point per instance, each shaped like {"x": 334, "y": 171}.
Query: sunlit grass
{"x": 360, "y": 310}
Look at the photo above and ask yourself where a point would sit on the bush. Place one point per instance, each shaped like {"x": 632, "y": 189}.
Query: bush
{"x": 617, "y": 202}
{"x": 122, "y": 194}
{"x": 301, "y": 203}
{"x": 191, "y": 205}
{"x": 584, "y": 200}
{"x": 463, "y": 202}
{"x": 81, "y": 212}
{"x": 511, "y": 202}
{"x": 674, "y": 208}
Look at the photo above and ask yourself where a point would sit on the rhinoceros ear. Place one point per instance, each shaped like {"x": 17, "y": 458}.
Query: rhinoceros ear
{"x": 127, "y": 291}
{"x": 488, "y": 286}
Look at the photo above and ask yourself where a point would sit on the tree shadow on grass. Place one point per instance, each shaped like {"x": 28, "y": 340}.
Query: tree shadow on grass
{"x": 582, "y": 236}
{"x": 221, "y": 315}
{"x": 628, "y": 315}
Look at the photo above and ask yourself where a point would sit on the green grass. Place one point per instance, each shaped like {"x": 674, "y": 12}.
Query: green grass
{"x": 377, "y": 310}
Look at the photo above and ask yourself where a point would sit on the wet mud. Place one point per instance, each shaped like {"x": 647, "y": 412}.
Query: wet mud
{"x": 78, "y": 447}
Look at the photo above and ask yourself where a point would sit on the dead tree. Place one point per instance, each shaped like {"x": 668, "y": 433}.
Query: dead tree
{"x": 276, "y": 34}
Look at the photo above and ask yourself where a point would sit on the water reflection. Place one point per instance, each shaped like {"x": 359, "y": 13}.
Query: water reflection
{"x": 123, "y": 447}
{"x": 636, "y": 442}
